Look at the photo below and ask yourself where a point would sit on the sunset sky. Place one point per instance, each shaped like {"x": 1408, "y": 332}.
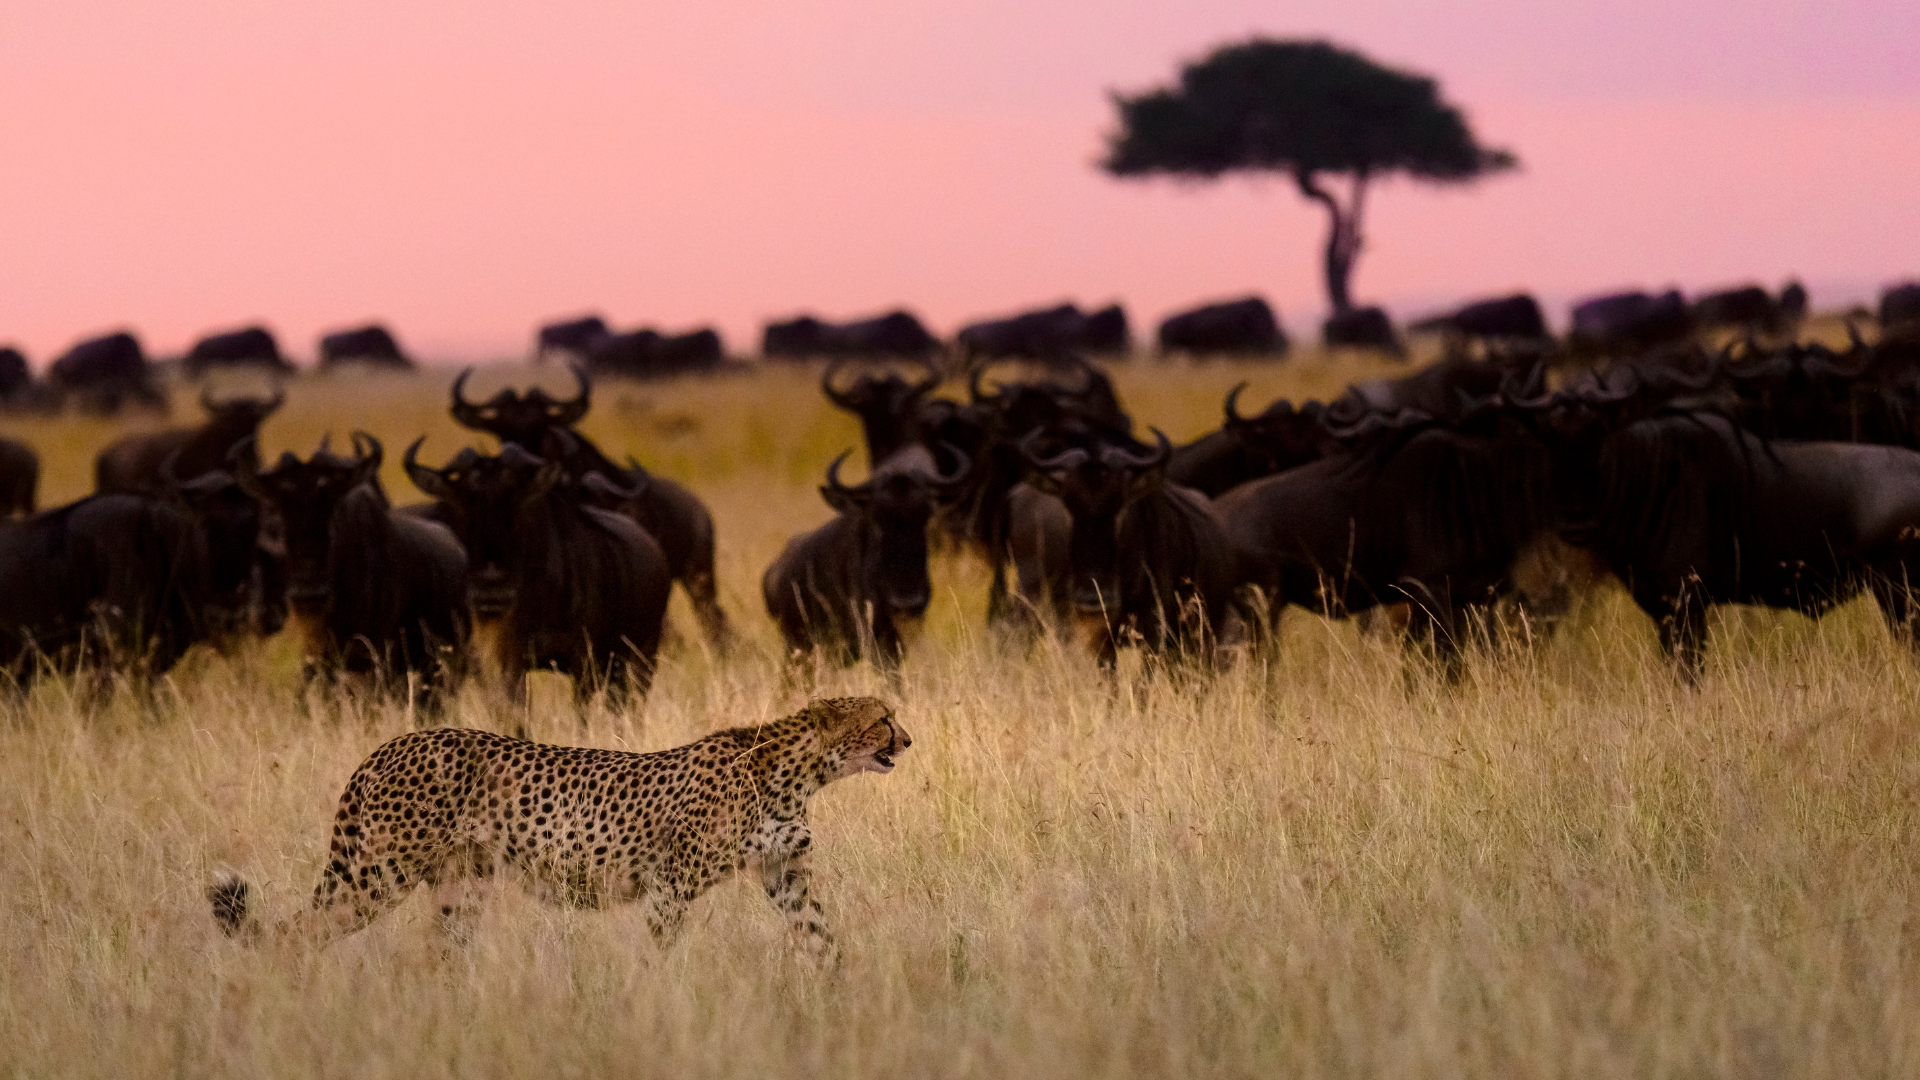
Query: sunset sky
{"x": 466, "y": 170}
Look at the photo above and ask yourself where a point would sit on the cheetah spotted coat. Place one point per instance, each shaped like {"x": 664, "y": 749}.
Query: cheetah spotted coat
{"x": 453, "y": 806}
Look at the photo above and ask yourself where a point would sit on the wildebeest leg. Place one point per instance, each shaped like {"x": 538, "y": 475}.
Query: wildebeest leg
{"x": 703, "y": 594}
{"x": 1683, "y": 634}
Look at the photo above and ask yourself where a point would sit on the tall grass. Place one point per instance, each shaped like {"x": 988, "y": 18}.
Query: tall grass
{"x": 1568, "y": 864}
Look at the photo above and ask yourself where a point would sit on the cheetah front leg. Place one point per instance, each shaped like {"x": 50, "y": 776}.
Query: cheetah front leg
{"x": 788, "y": 880}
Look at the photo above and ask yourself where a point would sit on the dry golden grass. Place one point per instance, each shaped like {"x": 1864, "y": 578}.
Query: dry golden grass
{"x": 1569, "y": 865}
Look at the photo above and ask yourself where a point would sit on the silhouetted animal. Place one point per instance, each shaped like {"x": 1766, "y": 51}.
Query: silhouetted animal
{"x": 1628, "y": 322}
{"x": 1507, "y": 318}
{"x": 1362, "y": 328}
{"x": 574, "y": 336}
{"x": 1045, "y": 334}
{"x": 105, "y": 373}
{"x": 1246, "y": 327}
{"x": 133, "y": 464}
{"x": 251, "y": 347}
{"x": 888, "y": 407}
{"x": 1246, "y": 449}
{"x": 372, "y": 344}
{"x": 647, "y": 354}
{"x": 896, "y": 335}
{"x": 552, "y": 583}
{"x": 1900, "y": 307}
{"x": 19, "y": 478}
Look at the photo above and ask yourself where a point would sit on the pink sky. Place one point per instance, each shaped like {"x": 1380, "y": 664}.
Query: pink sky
{"x": 466, "y": 170}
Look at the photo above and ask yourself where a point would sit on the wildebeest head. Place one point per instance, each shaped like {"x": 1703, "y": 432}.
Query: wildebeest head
{"x": 895, "y": 505}
{"x": 241, "y": 412}
{"x": 1282, "y": 436}
{"x": 230, "y": 519}
{"x": 521, "y": 419}
{"x": 1096, "y": 483}
{"x": 489, "y": 500}
{"x": 887, "y": 405}
{"x": 1024, "y": 406}
{"x": 305, "y": 495}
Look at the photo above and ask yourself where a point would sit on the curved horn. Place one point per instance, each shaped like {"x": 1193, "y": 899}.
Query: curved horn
{"x": 569, "y": 413}
{"x": 1122, "y": 456}
{"x": 975, "y": 393}
{"x": 833, "y": 473}
{"x": 1064, "y": 459}
{"x": 465, "y": 413}
{"x": 514, "y": 454}
{"x": 598, "y": 484}
{"x": 326, "y": 444}
{"x": 425, "y": 477}
{"x": 372, "y": 455}
{"x": 838, "y": 397}
{"x": 243, "y": 462}
{"x": 960, "y": 471}
{"x": 1234, "y": 419}
{"x": 927, "y": 385}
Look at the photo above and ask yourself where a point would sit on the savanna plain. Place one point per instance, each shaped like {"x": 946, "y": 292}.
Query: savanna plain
{"x": 1569, "y": 863}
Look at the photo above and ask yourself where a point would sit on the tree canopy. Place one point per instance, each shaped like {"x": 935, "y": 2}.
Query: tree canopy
{"x": 1303, "y": 108}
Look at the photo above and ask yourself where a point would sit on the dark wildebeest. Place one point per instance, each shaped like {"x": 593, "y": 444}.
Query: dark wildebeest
{"x": 373, "y": 591}
{"x": 552, "y": 583}
{"x": 1424, "y": 514}
{"x": 251, "y": 347}
{"x": 1748, "y": 307}
{"x": 19, "y": 478}
{"x": 1045, "y": 334}
{"x": 105, "y": 373}
{"x": 1690, "y": 510}
{"x": 14, "y": 374}
{"x": 861, "y": 578}
{"x": 116, "y": 580}
{"x": 670, "y": 513}
{"x": 133, "y": 464}
{"x": 648, "y": 354}
{"x": 1362, "y": 328}
{"x": 372, "y": 344}
{"x": 1247, "y": 326}
{"x": 1505, "y": 319}
{"x": 1900, "y": 307}
{"x": 897, "y": 335}
{"x": 1439, "y": 390}
{"x": 888, "y": 407}
{"x": 575, "y": 336}
{"x": 1628, "y": 322}
{"x": 1141, "y": 555}
{"x": 1248, "y": 448}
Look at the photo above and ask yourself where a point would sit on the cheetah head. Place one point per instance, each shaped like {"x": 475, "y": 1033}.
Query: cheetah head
{"x": 860, "y": 732}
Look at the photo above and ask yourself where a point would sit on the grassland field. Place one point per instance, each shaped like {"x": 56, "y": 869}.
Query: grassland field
{"x": 1569, "y": 864}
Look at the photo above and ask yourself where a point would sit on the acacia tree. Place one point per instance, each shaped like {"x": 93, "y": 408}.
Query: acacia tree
{"x": 1311, "y": 110}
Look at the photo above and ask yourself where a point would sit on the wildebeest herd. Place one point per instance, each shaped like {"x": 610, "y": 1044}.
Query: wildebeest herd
{"x": 1771, "y": 472}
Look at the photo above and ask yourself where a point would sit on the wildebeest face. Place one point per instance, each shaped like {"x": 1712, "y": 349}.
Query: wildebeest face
{"x": 1096, "y": 485}
{"x": 490, "y": 498}
{"x": 230, "y": 520}
{"x": 895, "y": 508}
{"x": 520, "y": 419}
{"x": 305, "y": 494}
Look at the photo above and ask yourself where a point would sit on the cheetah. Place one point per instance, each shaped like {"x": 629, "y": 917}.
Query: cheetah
{"x": 452, "y": 807}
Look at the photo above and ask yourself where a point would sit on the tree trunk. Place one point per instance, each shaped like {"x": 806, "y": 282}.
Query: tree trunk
{"x": 1343, "y": 234}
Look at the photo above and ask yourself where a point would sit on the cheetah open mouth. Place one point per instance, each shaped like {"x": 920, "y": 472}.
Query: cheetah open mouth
{"x": 884, "y": 759}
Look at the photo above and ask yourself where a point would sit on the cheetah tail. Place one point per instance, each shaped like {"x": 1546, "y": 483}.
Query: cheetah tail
{"x": 228, "y": 894}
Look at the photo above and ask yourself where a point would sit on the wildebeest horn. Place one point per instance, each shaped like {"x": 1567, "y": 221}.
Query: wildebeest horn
{"x": 1122, "y": 456}
{"x": 598, "y": 484}
{"x": 241, "y": 458}
{"x": 1064, "y": 459}
{"x": 425, "y": 477}
{"x": 370, "y": 457}
{"x": 513, "y": 454}
{"x": 569, "y": 413}
{"x": 975, "y": 393}
{"x": 326, "y": 444}
{"x": 926, "y": 385}
{"x": 1234, "y": 419}
{"x": 210, "y": 481}
{"x": 833, "y": 473}
{"x": 960, "y": 471}
{"x": 838, "y": 397}
{"x": 465, "y": 413}
{"x": 1854, "y": 340}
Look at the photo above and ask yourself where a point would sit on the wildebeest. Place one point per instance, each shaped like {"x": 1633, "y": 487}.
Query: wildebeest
{"x": 19, "y": 478}
{"x": 133, "y": 464}
{"x": 1900, "y": 307}
{"x": 373, "y": 591}
{"x": 113, "y": 580}
{"x": 105, "y": 373}
{"x": 897, "y": 335}
{"x": 1749, "y": 308}
{"x": 14, "y": 374}
{"x": 1248, "y": 448}
{"x": 860, "y": 579}
{"x": 372, "y": 344}
{"x": 648, "y": 354}
{"x": 253, "y": 346}
{"x": 888, "y": 406}
{"x": 573, "y": 336}
{"x": 1438, "y": 390}
{"x": 1362, "y": 328}
{"x": 673, "y": 515}
{"x": 1044, "y": 334}
{"x": 1427, "y": 515}
{"x": 1690, "y": 510}
{"x": 1503, "y": 319}
{"x": 1246, "y": 326}
{"x": 1142, "y": 555}
{"x": 552, "y": 583}
{"x": 1628, "y": 322}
